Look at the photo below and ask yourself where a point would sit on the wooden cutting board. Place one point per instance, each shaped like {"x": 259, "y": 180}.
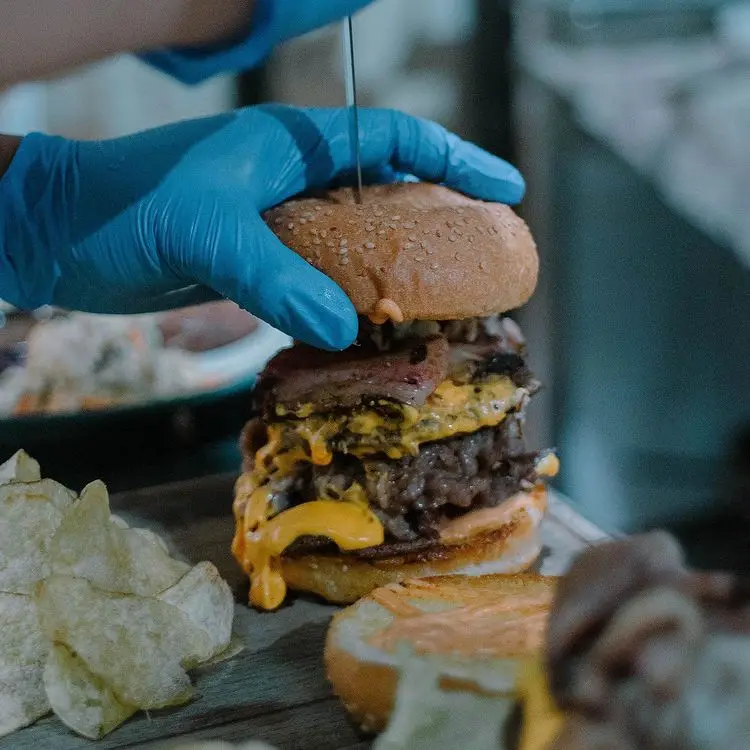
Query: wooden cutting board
{"x": 276, "y": 689}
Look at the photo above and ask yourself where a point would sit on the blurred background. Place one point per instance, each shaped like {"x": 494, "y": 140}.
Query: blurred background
{"x": 631, "y": 122}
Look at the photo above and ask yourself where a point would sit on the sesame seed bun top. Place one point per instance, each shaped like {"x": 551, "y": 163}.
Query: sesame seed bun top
{"x": 414, "y": 251}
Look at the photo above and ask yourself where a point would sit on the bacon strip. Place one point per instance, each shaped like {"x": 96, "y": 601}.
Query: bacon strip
{"x": 330, "y": 380}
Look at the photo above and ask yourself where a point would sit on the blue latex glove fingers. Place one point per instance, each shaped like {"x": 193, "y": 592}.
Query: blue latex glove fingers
{"x": 251, "y": 266}
{"x": 273, "y": 22}
{"x": 319, "y": 141}
{"x": 431, "y": 153}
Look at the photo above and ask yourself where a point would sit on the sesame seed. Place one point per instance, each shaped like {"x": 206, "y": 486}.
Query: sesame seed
{"x": 330, "y": 243}
{"x": 396, "y": 218}
{"x": 393, "y": 225}
{"x": 278, "y": 220}
{"x": 317, "y": 208}
{"x": 369, "y": 228}
{"x": 430, "y": 251}
{"x": 344, "y": 242}
{"x": 381, "y": 232}
{"x": 344, "y": 261}
{"x": 308, "y": 259}
{"x": 420, "y": 259}
{"x": 409, "y": 225}
{"x": 434, "y": 266}
{"x": 409, "y": 246}
{"x": 412, "y": 238}
{"x": 370, "y": 245}
{"x": 378, "y": 212}
{"x": 316, "y": 240}
{"x": 423, "y": 244}
{"x": 471, "y": 238}
{"x": 459, "y": 232}
{"x": 290, "y": 225}
{"x": 457, "y": 256}
{"x": 306, "y": 243}
{"x": 303, "y": 220}
{"x": 450, "y": 224}
{"x": 329, "y": 212}
{"x": 324, "y": 233}
{"x": 459, "y": 210}
{"x": 482, "y": 265}
{"x": 452, "y": 238}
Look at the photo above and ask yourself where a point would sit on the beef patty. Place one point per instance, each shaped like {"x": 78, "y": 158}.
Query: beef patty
{"x": 413, "y": 496}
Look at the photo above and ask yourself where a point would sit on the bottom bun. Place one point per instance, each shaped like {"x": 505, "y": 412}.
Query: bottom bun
{"x": 506, "y": 542}
{"x": 477, "y": 632}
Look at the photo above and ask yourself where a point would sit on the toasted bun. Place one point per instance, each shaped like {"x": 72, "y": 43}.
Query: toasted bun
{"x": 487, "y": 627}
{"x": 434, "y": 253}
{"x": 507, "y": 543}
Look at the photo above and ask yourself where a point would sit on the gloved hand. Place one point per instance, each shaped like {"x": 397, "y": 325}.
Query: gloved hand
{"x": 172, "y": 216}
{"x": 273, "y": 22}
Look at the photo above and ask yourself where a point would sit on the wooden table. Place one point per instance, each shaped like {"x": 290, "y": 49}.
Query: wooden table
{"x": 275, "y": 690}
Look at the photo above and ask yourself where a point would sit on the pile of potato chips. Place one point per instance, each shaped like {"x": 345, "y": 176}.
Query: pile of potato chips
{"x": 97, "y": 620}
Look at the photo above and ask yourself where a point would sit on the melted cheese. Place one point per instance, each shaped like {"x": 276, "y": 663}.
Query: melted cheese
{"x": 350, "y": 525}
{"x": 542, "y": 720}
{"x": 548, "y": 465}
{"x": 398, "y": 430}
{"x": 261, "y": 537}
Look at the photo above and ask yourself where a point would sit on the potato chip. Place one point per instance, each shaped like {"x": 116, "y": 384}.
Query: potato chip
{"x": 23, "y": 651}
{"x": 235, "y": 647}
{"x": 21, "y": 639}
{"x": 208, "y": 602}
{"x": 22, "y": 697}
{"x": 80, "y": 699}
{"x": 91, "y": 545}
{"x": 30, "y": 514}
{"x": 139, "y": 645}
{"x": 20, "y": 467}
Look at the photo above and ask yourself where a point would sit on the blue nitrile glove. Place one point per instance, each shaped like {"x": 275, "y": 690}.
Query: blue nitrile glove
{"x": 273, "y": 22}
{"x": 172, "y": 216}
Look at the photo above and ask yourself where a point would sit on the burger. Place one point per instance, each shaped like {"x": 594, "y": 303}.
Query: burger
{"x": 402, "y": 456}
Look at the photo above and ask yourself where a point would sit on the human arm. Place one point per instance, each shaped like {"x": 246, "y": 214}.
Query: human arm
{"x": 189, "y": 39}
{"x": 172, "y": 216}
{"x": 46, "y": 36}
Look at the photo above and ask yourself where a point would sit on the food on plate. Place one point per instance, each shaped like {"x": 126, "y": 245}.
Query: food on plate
{"x": 404, "y": 455}
{"x": 97, "y": 619}
{"x": 206, "y": 327}
{"x": 429, "y": 658}
{"x": 647, "y": 654}
{"x": 81, "y": 362}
